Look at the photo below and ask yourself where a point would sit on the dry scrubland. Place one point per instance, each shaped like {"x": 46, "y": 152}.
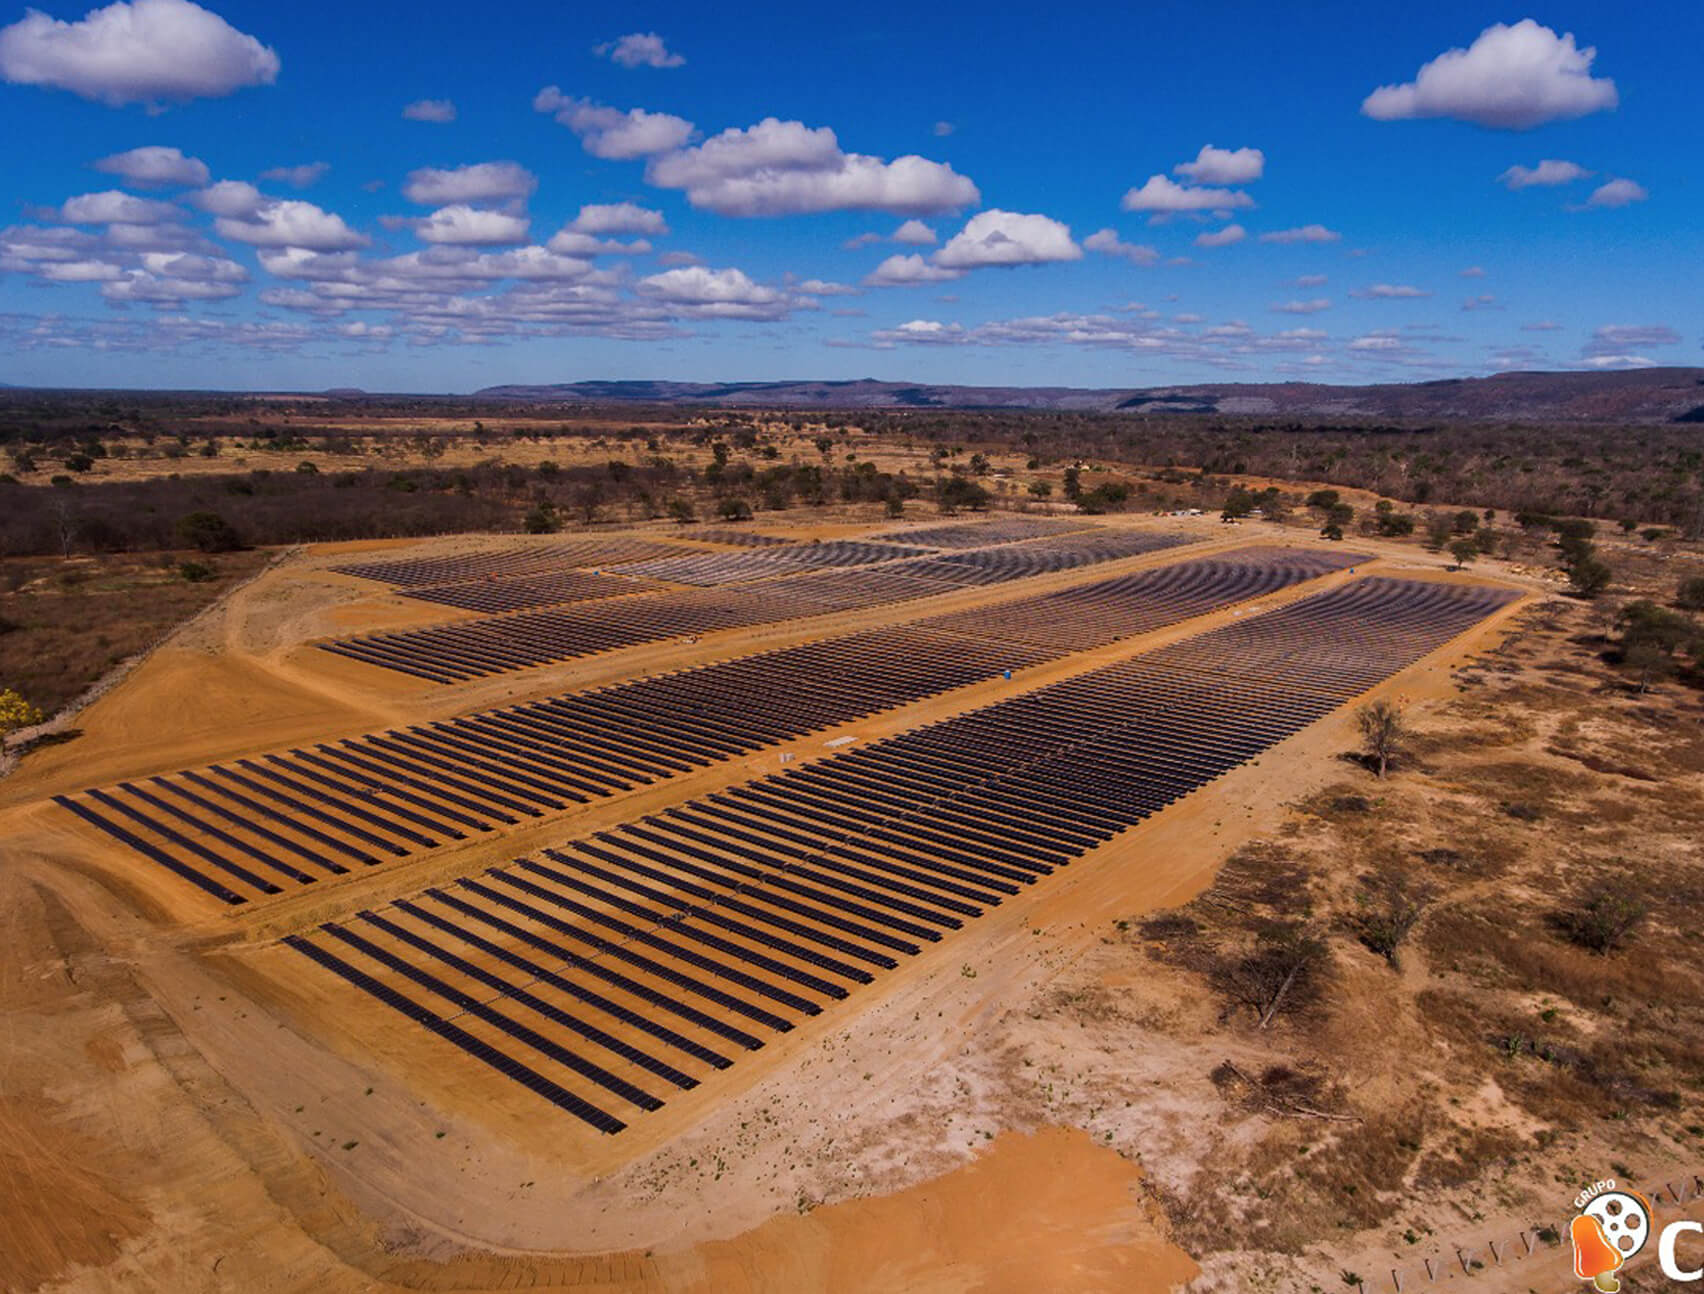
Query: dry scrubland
{"x": 1095, "y": 1089}
{"x": 1458, "y": 1057}
{"x": 66, "y": 623}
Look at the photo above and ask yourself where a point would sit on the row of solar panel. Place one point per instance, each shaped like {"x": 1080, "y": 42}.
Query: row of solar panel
{"x": 516, "y": 593}
{"x": 761, "y": 563}
{"x": 993, "y": 530}
{"x": 734, "y": 538}
{"x": 598, "y": 550}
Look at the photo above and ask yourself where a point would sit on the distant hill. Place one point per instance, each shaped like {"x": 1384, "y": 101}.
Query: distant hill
{"x": 1641, "y": 395}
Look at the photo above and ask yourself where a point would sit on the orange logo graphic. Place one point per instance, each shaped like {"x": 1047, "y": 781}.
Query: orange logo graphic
{"x": 1612, "y": 1227}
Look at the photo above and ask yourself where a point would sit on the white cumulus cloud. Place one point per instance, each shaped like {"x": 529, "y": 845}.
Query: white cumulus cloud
{"x": 779, "y": 168}
{"x": 1108, "y": 243}
{"x": 915, "y": 233}
{"x": 481, "y": 182}
{"x": 167, "y": 278}
{"x": 611, "y": 133}
{"x": 700, "y": 292}
{"x": 275, "y": 222}
{"x": 81, "y": 271}
{"x": 1302, "y": 234}
{"x": 113, "y": 207}
{"x": 908, "y": 271}
{"x": 920, "y": 332}
{"x": 297, "y": 177}
{"x": 1223, "y": 237}
{"x": 1511, "y": 78}
{"x": 1166, "y": 196}
{"x": 1618, "y": 361}
{"x": 437, "y": 111}
{"x": 1621, "y": 339}
{"x": 155, "y": 166}
{"x": 571, "y": 242}
{"x": 230, "y": 198}
{"x": 996, "y": 237}
{"x": 1617, "y": 193}
{"x": 639, "y": 49}
{"x": 143, "y": 51}
{"x": 1309, "y": 307}
{"x": 1376, "y": 342}
{"x": 618, "y": 218}
{"x": 825, "y": 288}
{"x": 467, "y": 226}
{"x": 1224, "y": 165}
{"x": 24, "y": 247}
{"x": 1546, "y": 173}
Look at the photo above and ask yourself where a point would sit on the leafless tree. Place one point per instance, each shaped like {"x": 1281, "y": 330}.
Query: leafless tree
{"x": 1388, "y": 909}
{"x": 64, "y": 522}
{"x": 1384, "y": 730}
{"x": 1280, "y": 973}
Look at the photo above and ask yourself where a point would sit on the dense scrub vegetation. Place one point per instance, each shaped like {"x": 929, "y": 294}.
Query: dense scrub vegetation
{"x": 1645, "y": 476}
{"x": 64, "y": 624}
{"x": 83, "y": 510}
{"x": 1651, "y": 474}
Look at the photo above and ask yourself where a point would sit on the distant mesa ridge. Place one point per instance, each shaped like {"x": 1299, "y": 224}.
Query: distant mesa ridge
{"x": 1640, "y": 395}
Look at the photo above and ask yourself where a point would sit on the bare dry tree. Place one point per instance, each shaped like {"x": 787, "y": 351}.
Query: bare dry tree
{"x": 1280, "y": 973}
{"x": 1384, "y": 731}
{"x": 1387, "y": 909}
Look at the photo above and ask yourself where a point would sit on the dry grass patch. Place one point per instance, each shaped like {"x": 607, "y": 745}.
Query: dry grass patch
{"x": 66, "y": 622}
{"x": 1481, "y": 1018}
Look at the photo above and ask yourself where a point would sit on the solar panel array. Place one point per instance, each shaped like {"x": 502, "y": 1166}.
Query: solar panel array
{"x": 258, "y": 827}
{"x": 732, "y": 568}
{"x": 1036, "y": 557}
{"x": 1092, "y": 615}
{"x": 457, "y": 652}
{"x": 619, "y": 967}
{"x": 500, "y": 562}
{"x": 518, "y": 592}
{"x": 736, "y": 538}
{"x": 976, "y": 534}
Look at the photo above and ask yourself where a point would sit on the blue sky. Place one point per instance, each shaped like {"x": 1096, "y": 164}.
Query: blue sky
{"x": 437, "y": 198}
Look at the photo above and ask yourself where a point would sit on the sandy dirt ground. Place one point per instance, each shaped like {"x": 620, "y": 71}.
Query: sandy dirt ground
{"x": 184, "y": 1109}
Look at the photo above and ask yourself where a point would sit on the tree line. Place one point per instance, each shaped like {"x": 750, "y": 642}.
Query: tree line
{"x": 220, "y": 512}
{"x": 1649, "y": 475}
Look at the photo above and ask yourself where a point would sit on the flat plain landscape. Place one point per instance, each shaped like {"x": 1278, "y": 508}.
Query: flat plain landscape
{"x": 794, "y": 901}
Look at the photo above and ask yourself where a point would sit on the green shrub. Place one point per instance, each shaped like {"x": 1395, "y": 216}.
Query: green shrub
{"x": 209, "y": 532}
